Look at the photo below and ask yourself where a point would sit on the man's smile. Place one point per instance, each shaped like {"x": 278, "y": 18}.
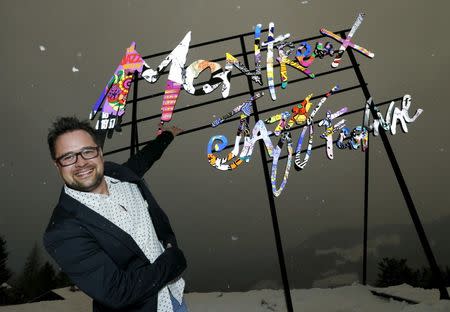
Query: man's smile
{"x": 84, "y": 173}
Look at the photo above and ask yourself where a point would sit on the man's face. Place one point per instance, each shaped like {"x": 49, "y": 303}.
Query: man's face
{"x": 84, "y": 175}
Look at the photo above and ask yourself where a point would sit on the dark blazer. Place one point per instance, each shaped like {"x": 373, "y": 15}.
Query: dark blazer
{"x": 103, "y": 260}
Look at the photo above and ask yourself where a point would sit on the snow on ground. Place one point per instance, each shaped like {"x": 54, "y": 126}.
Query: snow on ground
{"x": 354, "y": 298}
{"x": 409, "y": 292}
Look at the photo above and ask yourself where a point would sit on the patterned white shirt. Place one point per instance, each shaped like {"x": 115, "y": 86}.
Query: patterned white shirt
{"x": 126, "y": 208}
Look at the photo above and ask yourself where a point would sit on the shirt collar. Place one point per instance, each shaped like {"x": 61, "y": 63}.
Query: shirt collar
{"x": 109, "y": 182}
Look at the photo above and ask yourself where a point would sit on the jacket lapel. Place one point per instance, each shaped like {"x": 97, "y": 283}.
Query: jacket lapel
{"x": 91, "y": 217}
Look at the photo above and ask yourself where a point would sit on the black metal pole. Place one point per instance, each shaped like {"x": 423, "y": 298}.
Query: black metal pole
{"x": 273, "y": 211}
{"x": 366, "y": 209}
{"x": 366, "y": 186}
{"x": 401, "y": 181}
{"x": 134, "y": 146}
{"x": 101, "y": 136}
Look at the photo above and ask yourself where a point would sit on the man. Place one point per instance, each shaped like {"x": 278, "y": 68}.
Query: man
{"x": 107, "y": 232}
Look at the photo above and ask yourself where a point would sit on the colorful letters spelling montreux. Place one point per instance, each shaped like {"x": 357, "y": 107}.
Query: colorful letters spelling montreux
{"x": 112, "y": 101}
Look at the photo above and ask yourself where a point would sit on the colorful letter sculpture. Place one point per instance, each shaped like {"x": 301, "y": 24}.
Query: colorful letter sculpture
{"x": 346, "y": 42}
{"x": 392, "y": 114}
{"x": 270, "y": 44}
{"x": 299, "y": 163}
{"x": 285, "y": 138}
{"x": 113, "y": 99}
{"x": 284, "y": 60}
{"x": 359, "y": 137}
{"x": 243, "y": 130}
{"x": 330, "y": 128}
{"x": 175, "y": 80}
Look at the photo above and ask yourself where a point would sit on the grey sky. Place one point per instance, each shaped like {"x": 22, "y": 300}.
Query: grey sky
{"x": 222, "y": 219}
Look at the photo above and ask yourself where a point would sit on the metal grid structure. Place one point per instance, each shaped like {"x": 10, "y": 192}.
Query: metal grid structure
{"x": 135, "y": 144}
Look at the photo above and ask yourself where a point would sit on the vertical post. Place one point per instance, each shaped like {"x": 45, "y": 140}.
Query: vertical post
{"x": 366, "y": 210}
{"x": 273, "y": 211}
{"x": 134, "y": 130}
{"x": 366, "y": 184}
{"x": 101, "y": 136}
{"x": 401, "y": 181}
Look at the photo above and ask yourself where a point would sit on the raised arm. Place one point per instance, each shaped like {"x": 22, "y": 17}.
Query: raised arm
{"x": 144, "y": 159}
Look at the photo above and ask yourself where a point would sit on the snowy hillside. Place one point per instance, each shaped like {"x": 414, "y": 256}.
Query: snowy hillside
{"x": 354, "y": 298}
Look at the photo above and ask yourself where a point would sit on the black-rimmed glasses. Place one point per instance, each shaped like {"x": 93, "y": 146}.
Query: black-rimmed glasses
{"x": 71, "y": 158}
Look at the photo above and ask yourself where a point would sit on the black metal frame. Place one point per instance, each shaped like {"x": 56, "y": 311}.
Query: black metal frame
{"x": 134, "y": 146}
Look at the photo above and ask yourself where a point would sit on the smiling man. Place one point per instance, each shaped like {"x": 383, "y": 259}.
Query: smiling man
{"x": 107, "y": 232}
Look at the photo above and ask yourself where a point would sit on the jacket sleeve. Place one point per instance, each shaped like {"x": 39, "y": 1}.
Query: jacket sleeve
{"x": 93, "y": 271}
{"x": 144, "y": 159}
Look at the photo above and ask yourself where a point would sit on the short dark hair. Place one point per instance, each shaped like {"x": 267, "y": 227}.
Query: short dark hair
{"x": 68, "y": 124}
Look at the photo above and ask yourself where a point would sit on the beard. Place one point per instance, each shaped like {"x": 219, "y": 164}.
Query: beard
{"x": 88, "y": 185}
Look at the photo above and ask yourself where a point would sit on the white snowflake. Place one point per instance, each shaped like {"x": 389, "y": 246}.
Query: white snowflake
{"x": 42, "y": 48}
{"x": 234, "y": 238}
{"x": 304, "y": 2}
{"x": 79, "y": 54}
{"x": 75, "y": 70}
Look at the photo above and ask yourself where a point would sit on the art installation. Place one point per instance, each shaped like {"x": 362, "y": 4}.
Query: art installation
{"x": 353, "y": 140}
{"x": 112, "y": 101}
